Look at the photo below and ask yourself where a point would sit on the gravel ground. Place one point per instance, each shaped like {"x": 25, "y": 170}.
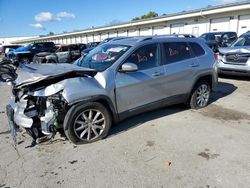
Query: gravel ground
{"x": 170, "y": 147}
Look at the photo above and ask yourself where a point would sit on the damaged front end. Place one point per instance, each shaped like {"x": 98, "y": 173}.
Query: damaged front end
{"x": 40, "y": 115}
{"x": 37, "y": 103}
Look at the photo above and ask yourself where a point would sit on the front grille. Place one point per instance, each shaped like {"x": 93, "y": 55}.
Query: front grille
{"x": 234, "y": 71}
{"x": 240, "y": 59}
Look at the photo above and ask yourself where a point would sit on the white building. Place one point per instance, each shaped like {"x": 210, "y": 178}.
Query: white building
{"x": 231, "y": 17}
{"x": 12, "y": 40}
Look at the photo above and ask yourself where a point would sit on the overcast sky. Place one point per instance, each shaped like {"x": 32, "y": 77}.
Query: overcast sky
{"x": 39, "y": 17}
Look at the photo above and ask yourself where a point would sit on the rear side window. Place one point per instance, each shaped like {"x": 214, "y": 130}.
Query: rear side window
{"x": 64, "y": 48}
{"x": 197, "y": 49}
{"x": 211, "y": 37}
{"x": 48, "y": 45}
{"x": 74, "y": 47}
{"x": 177, "y": 51}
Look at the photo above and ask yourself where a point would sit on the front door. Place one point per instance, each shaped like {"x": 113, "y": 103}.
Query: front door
{"x": 136, "y": 89}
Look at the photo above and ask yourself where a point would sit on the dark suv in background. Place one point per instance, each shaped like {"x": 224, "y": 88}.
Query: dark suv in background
{"x": 63, "y": 54}
{"x": 25, "y": 54}
{"x": 6, "y": 48}
{"x": 219, "y": 39}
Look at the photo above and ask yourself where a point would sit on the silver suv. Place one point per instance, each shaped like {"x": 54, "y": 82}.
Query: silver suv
{"x": 114, "y": 81}
{"x": 235, "y": 60}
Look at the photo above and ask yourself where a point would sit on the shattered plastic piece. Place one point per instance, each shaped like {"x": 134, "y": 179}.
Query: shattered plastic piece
{"x": 168, "y": 163}
{"x": 72, "y": 162}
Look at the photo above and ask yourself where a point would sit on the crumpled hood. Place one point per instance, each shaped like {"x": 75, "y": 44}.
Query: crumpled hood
{"x": 35, "y": 73}
{"x": 235, "y": 50}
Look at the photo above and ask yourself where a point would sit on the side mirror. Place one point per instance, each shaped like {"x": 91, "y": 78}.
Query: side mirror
{"x": 33, "y": 48}
{"x": 128, "y": 67}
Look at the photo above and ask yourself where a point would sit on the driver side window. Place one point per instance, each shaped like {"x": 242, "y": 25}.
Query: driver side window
{"x": 145, "y": 57}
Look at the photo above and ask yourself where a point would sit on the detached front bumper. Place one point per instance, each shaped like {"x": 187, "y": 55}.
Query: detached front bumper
{"x": 12, "y": 125}
{"x": 23, "y": 115}
{"x": 233, "y": 69}
{"x": 19, "y": 117}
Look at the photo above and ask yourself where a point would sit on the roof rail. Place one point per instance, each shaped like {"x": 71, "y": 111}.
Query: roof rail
{"x": 145, "y": 38}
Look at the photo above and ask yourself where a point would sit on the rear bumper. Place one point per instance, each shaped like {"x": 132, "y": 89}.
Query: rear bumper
{"x": 231, "y": 69}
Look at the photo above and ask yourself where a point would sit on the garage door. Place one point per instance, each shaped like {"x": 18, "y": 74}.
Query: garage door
{"x": 145, "y": 31}
{"x": 104, "y": 36}
{"x": 84, "y": 39}
{"x": 159, "y": 30}
{"x": 244, "y": 24}
{"x": 90, "y": 38}
{"x": 114, "y": 34}
{"x": 78, "y": 39}
{"x": 64, "y": 41}
{"x": 132, "y": 32}
{"x": 97, "y": 38}
{"x": 177, "y": 28}
{"x": 220, "y": 24}
{"x": 68, "y": 41}
{"x": 122, "y": 33}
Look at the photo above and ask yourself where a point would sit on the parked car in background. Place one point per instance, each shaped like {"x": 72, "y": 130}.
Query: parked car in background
{"x": 92, "y": 44}
{"x": 245, "y": 33}
{"x": 63, "y": 54}
{"x": 235, "y": 59}
{"x": 181, "y": 35}
{"x": 219, "y": 39}
{"x": 106, "y": 86}
{"x": 25, "y": 54}
{"x": 4, "y": 49}
{"x": 88, "y": 49}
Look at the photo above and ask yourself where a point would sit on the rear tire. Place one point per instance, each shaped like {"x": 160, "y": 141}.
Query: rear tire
{"x": 200, "y": 95}
{"x": 86, "y": 123}
{"x": 50, "y": 61}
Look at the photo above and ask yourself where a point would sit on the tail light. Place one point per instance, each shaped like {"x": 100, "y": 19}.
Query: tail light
{"x": 216, "y": 56}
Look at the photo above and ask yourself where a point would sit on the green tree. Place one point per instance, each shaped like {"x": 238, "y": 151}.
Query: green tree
{"x": 150, "y": 14}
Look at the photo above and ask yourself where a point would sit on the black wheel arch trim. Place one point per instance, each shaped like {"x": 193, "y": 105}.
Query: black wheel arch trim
{"x": 104, "y": 100}
{"x": 202, "y": 76}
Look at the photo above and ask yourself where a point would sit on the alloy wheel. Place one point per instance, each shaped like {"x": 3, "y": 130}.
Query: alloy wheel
{"x": 203, "y": 94}
{"x": 89, "y": 125}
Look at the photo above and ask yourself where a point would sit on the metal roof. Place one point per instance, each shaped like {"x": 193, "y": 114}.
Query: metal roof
{"x": 168, "y": 17}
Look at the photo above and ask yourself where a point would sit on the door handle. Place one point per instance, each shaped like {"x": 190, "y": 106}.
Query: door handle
{"x": 194, "y": 65}
{"x": 156, "y": 74}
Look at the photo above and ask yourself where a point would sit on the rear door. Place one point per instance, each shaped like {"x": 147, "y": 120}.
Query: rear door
{"x": 64, "y": 55}
{"x": 136, "y": 89}
{"x": 180, "y": 66}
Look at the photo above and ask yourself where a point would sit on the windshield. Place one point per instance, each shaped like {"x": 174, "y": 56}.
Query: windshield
{"x": 26, "y": 47}
{"x": 204, "y": 36}
{"x": 102, "y": 57}
{"x": 242, "y": 41}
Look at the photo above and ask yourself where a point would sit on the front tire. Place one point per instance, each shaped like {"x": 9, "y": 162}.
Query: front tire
{"x": 86, "y": 123}
{"x": 25, "y": 60}
{"x": 200, "y": 95}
